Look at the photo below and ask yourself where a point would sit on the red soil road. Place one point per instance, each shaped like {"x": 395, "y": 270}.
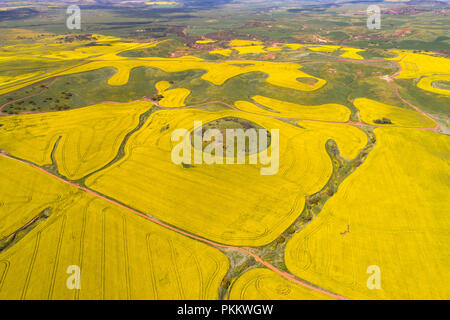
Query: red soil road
{"x": 285, "y": 275}
{"x": 436, "y": 128}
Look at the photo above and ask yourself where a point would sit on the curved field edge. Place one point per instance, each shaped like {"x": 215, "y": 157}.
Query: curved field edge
{"x": 374, "y": 113}
{"x": 248, "y": 215}
{"x": 281, "y": 74}
{"x": 427, "y": 83}
{"x": 278, "y": 108}
{"x": 264, "y": 284}
{"x": 396, "y": 220}
{"x": 88, "y": 138}
{"x": 120, "y": 255}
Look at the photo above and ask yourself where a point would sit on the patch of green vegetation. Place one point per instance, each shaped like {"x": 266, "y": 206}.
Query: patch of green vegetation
{"x": 187, "y": 166}
{"x": 444, "y": 85}
{"x": 17, "y": 235}
{"x": 394, "y": 43}
{"x": 338, "y": 36}
{"x": 345, "y": 82}
{"x": 213, "y": 107}
{"x": 427, "y": 101}
{"x": 162, "y": 50}
{"x": 383, "y": 121}
{"x": 223, "y": 124}
{"x": 376, "y": 54}
{"x": 69, "y": 92}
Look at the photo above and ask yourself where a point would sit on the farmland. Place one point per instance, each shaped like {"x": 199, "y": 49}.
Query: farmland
{"x": 93, "y": 234}
{"x": 291, "y": 110}
{"x": 72, "y": 145}
{"x": 353, "y": 171}
{"x": 410, "y": 242}
{"x": 372, "y": 111}
{"x": 263, "y": 284}
{"x": 277, "y": 210}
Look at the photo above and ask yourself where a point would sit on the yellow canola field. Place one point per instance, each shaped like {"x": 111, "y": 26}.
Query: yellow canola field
{"x": 371, "y": 110}
{"x": 12, "y": 33}
{"x": 103, "y": 38}
{"x": 120, "y": 255}
{"x": 427, "y": 84}
{"x": 352, "y": 53}
{"x": 90, "y": 136}
{"x": 415, "y": 65}
{"x": 24, "y": 195}
{"x": 162, "y": 86}
{"x": 293, "y": 46}
{"x": 24, "y": 80}
{"x": 397, "y": 220}
{"x": 174, "y": 98}
{"x": 4, "y": 80}
{"x": 11, "y": 8}
{"x": 188, "y": 197}
{"x": 281, "y": 74}
{"x": 88, "y": 52}
{"x": 223, "y": 52}
{"x": 242, "y": 43}
{"x": 49, "y": 49}
{"x": 349, "y": 139}
{"x": 326, "y": 112}
{"x": 324, "y": 48}
{"x": 205, "y": 41}
{"x": 250, "y": 49}
{"x": 264, "y": 284}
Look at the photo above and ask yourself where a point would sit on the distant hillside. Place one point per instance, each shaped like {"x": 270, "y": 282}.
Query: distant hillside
{"x": 18, "y": 13}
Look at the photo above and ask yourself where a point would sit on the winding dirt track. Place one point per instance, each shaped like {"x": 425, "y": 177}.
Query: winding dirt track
{"x": 285, "y": 275}
{"x": 390, "y": 79}
{"x": 29, "y": 96}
